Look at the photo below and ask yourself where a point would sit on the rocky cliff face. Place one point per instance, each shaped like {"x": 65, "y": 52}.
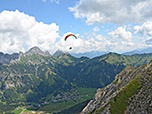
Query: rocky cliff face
{"x": 129, "y": 93}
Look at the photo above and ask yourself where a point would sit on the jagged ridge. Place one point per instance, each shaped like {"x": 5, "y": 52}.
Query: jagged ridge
{"x": 37, "y": 50}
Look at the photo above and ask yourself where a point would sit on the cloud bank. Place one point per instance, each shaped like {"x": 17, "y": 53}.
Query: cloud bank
{"x": 95, "y": 42}
{"x": 121, "y": 33}
{"x": 19, "y": 31}
{"x": 144, "y": 29}
{"x": 114, "y": 11}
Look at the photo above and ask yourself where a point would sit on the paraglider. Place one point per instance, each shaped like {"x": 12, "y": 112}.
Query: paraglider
{"x": 67, "y": 36}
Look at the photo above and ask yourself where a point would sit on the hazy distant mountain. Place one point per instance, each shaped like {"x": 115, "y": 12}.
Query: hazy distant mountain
{"x": 58, "y": 52}
{"x": 139, "y": 51}
{"x": 6, "y": 58}
{"x": 90, "y": 54}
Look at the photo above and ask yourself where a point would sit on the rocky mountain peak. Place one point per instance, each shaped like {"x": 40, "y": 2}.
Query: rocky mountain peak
{"x": 36, "y": 50}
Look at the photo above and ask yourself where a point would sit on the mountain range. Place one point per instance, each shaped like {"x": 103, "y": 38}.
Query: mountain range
{"x": 37, "y": 78}
{"x": 7, "y": 58}
{"x": 90, "y": 54}
{"x": 139, "y": 51}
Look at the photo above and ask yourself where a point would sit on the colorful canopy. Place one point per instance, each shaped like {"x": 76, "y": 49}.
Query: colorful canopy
{"x": 67, "y": 36}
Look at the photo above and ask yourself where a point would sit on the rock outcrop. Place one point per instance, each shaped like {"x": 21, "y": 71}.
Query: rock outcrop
{"x": 129, "y": 93}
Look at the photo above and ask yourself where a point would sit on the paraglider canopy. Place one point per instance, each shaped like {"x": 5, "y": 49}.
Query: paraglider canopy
{"x": 67, "y": 36}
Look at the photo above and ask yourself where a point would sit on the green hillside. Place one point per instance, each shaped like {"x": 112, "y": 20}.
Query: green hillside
{"x": 36, "y": 79}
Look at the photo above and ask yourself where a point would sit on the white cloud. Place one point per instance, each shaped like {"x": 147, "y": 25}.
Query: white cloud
{"x": 95, "y": 43}
{"x": 70, "y": 42}
{"x": 19, "y": 32}
{"x": 144, "y": 29}
{"x": 121, "y": 33}
{"x": 115, "y": 11}
{"x": 96, "y": 29}
{"x": 100, "y": 38}
{"x": 127, "y": 44}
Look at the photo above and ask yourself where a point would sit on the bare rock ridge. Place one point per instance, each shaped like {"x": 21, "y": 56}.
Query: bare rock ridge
{"x": 129, "y": 93}
{"x": 37, "y": 50}
{"x": 7, "y": 58}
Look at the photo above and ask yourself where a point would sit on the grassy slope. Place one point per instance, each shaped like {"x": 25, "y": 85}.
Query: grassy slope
{"x": 120, "y": 102}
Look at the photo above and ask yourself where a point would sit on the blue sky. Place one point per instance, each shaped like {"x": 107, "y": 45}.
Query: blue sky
{"x": 100, "y": 25}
